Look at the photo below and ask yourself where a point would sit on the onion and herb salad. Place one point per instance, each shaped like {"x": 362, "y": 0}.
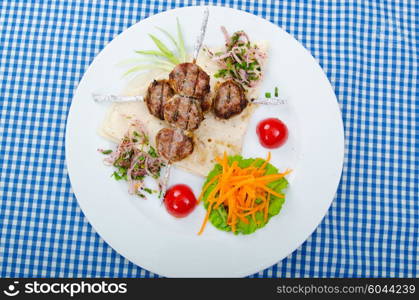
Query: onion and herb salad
{"x": 134, "y": 159}
{"x": 241, "y": 59}
{"x": 241, "y": 195}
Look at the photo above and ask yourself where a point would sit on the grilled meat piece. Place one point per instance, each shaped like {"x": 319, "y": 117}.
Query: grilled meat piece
{"x": 188, "y": 79}
{"x": 229, "y": 99}
{"x": 206, "y": 102}
{"x": 183, "y": 112}
{"x": 158, "y": 93}
{"x": 173, "y": 145}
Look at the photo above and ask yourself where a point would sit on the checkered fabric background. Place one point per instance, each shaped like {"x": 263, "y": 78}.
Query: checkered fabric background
{"x": 368, "y": 50}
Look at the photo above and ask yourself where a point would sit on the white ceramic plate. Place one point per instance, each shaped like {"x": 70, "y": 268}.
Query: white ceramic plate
{"x": 142, "y": 230}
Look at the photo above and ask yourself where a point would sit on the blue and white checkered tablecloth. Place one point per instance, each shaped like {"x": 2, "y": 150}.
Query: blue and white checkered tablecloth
{"x": 369, "y": 52}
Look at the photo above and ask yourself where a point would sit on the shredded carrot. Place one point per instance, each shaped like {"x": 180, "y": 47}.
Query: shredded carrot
{"x": 265, "y": 208}
{"x": 242, "y": 191}
{"x": 207, "y": 186}
{"x": 270, "y": 191}
{"x": 266, "y": 162}
{"x": 272, "y": 177}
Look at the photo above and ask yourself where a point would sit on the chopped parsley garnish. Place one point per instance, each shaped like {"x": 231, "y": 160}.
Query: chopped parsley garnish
{"x": 152, "y": 152}
{"x": 106, "y": 152}
{"x": 119, "y": 176}
{"x": 269, "y": 95}
{"x": 148, "y": 190}
{"x": 220, "y": 73}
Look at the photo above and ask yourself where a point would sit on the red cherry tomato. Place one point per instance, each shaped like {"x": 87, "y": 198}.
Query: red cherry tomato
{"x": 272, "y": 132}
{"x": 179, "y": 200}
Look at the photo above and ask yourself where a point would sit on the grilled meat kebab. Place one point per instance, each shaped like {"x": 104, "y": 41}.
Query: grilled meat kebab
{"x": 158, "y": 93}
{"x": 173, "y": 145}
{"x": 229, "y": 99}
{"x": 188, "y": 79}
{"x": 183, "y": 112}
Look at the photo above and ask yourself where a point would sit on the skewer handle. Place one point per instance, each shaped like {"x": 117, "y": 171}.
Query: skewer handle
{"x": 165, "y": 181}
{"x": 201, "y": 35}
{"x": 270, "y": 101}
{"x": 115, "y": 98}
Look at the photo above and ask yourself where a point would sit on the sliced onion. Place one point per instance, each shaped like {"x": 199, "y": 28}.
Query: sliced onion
{"x": 223, "y": 56}
{"x": 235, "y": 56}
{"x": 226, "y": 36}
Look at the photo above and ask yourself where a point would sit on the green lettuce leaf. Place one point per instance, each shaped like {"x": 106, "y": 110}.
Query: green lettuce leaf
{"x": 218, "y": 217}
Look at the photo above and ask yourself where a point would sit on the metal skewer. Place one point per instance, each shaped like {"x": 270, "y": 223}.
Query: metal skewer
{"x": 201, "y": 35}
{"x": 115, "y": 98}
{"x": 164, "y": 182}
{"x": 120, "y": 99}
{"x": 269, "y": 101}
{"x": 197, "y": 47}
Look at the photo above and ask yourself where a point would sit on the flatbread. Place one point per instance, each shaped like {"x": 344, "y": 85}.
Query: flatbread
{"x": 212, "y": 138}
